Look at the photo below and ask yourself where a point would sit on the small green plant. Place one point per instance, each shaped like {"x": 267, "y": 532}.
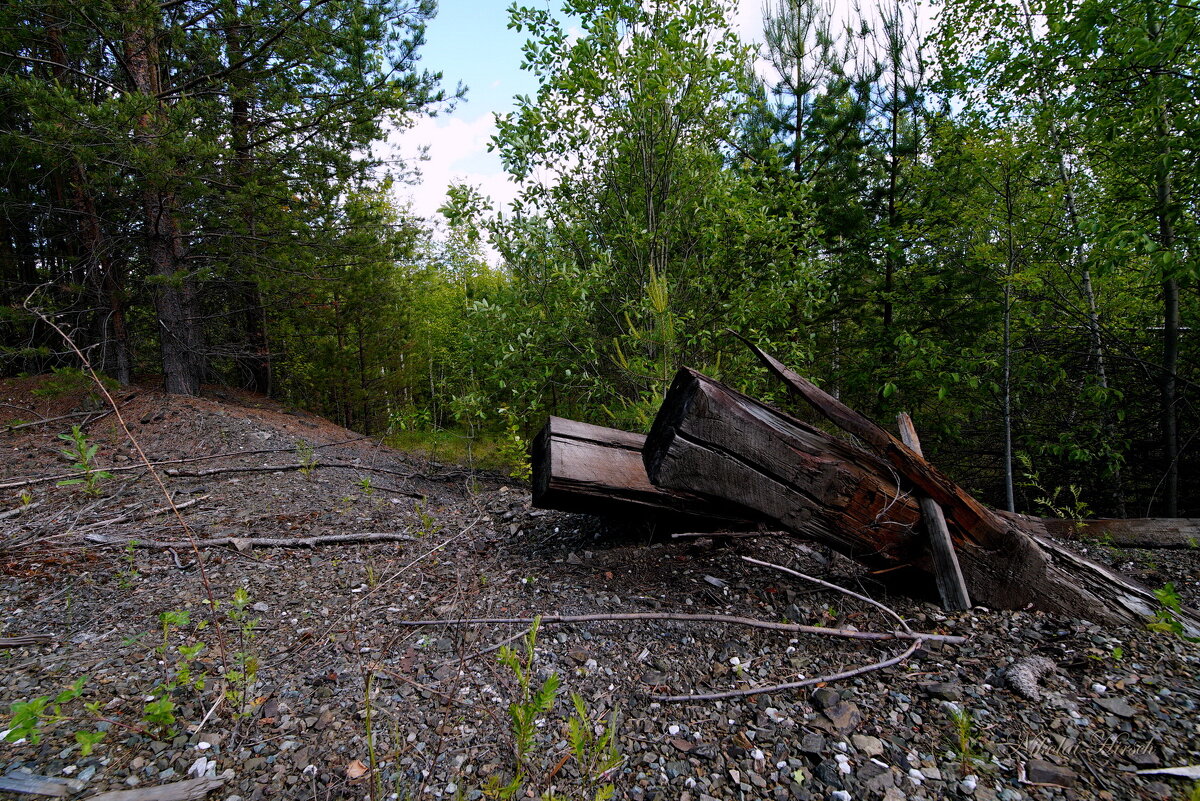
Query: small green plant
{"x": 159, "y": 713}
{"x": 1166, "y": 617}
{"x": 365, "y": 484}
{"x": 128, "y": 572}
{"x": 84, "y": 454}
{"x": 25, "y": 497}
{"x": 595, "y": 751}
{"x": 513, "y": 448}
{"x": 428, "y": 525}
{"x": 1065, "y": 504}
{"x": 244, "y": 669}
{"x": 307, "y": 456}
{"x": 66, "y": 380}
{"x": 29, "y": 718}
{"x": 372, "y": 576}
{"x": 88, "y": 740}
{"x": 962, "y": 739}
{"x": 523, "y": 713}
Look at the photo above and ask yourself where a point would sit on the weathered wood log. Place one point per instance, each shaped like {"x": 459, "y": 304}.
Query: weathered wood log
{"x": 1136, "y": 532}
{"x": 579, "y": 467}
{"x": 714, "y": 441}
{"x": 952, "y": 588}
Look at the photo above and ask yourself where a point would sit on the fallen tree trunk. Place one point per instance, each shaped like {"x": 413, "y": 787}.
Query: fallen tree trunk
{"x": 579, "y": 467}
{"x": 712, "y": 440}
{"x": 1137, "y": 532}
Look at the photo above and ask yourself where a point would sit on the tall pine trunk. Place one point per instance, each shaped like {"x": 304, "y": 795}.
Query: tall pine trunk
{"x": 174, "y": 288}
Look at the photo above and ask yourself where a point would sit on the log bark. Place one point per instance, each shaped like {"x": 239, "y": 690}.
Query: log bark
{"x": 714, "y": 441}
{"x": 579, "y": 467}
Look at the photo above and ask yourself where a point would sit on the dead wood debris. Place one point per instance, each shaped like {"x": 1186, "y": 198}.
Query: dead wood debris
{"x": 245, "y": 543}
{"x": 25, "y": 639}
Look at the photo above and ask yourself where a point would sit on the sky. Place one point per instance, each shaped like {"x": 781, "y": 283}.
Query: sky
{"x": 469, "y": 42}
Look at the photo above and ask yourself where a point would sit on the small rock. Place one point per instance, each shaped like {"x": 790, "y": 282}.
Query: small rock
{"x": 875, "y": 777}
{"x": 1117, "y": 706}
{"x": 844, "y": 716}
{"x": 1145, "y": 759}
{"x": 944, "y": 690}
{"x": 1042, "y": 772}
{"x": 812, "y": 744}
{"x": 871, "y": 746}
{"x": 824, "y": 698}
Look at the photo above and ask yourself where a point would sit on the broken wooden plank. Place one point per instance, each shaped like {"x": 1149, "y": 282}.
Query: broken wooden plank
{"x": 34, "y": 784}
{"x": 25, "y": 639}
{"x": 977, "y": 522}
{"x": 712, "y": 440}
{"x": 188, "y": 790}
{"x": 579, "y": 467}
{"x": 952, "y": 589}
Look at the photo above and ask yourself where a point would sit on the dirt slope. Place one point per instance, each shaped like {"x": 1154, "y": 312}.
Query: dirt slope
{"x": 320, "y": 627}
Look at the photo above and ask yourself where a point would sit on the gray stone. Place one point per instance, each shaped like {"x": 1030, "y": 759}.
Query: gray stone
{"x": 844, "y": 716}
{"x": 944, "y": 690}
{"x": 1117, "y": 706}
{"x": 678, "y": 767}
{"x": 812, "y": 744}
{"x": 875, "y": 778}
{"x": 1043, "y": 772}
{"x": 823, "y": 698}
{"x": 828, "y": 773}
{"x": 871, "y": 746}
{"x": 1145, "y": 759}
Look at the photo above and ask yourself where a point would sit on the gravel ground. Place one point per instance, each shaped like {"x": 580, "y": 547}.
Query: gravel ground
{"x": 346, "y": 702}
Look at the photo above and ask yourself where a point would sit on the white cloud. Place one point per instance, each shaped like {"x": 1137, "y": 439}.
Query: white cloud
{"x": 457, "y": 153}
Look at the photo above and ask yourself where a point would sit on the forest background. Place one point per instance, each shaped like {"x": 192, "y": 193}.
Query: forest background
{"x": 993, "y": 227}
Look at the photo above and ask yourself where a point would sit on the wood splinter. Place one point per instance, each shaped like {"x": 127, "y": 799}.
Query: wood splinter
{"x": 951, "y": 587}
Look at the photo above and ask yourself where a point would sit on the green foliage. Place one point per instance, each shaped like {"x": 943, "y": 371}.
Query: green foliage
{"x": 128, "y": 573}
{"x": 84, "y": 453}
{"x": 1066, "y": 504}
{"x": 243, "y": 672}
{"x": 595, "y": 752}
{"x": 28, "y": 719}
{"x": 1166, "y": 617}
{"x": 64, "y": 381}
{"x": 532, "y": 702}
{"x": 962, "y": 738}
{"x": 159, "y": 713}
{"x": 308, "y": 458}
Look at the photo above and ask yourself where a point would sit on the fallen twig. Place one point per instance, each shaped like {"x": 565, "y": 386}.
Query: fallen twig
{"x": 773, "y": 688}
{"x": 162, "y": 510}
{"x": 842, "y": 590}
{"x": 242, "y": 543}
{"x": 48, "y": 420}
{"x": 19, "y": 509}
{"x": 693, "y": 618}
{"x": 142, "y": 465}
{"x": 25, "y": 639}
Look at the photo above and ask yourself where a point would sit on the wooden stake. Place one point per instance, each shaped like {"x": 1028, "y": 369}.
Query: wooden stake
{"x": 951, "y": 586}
